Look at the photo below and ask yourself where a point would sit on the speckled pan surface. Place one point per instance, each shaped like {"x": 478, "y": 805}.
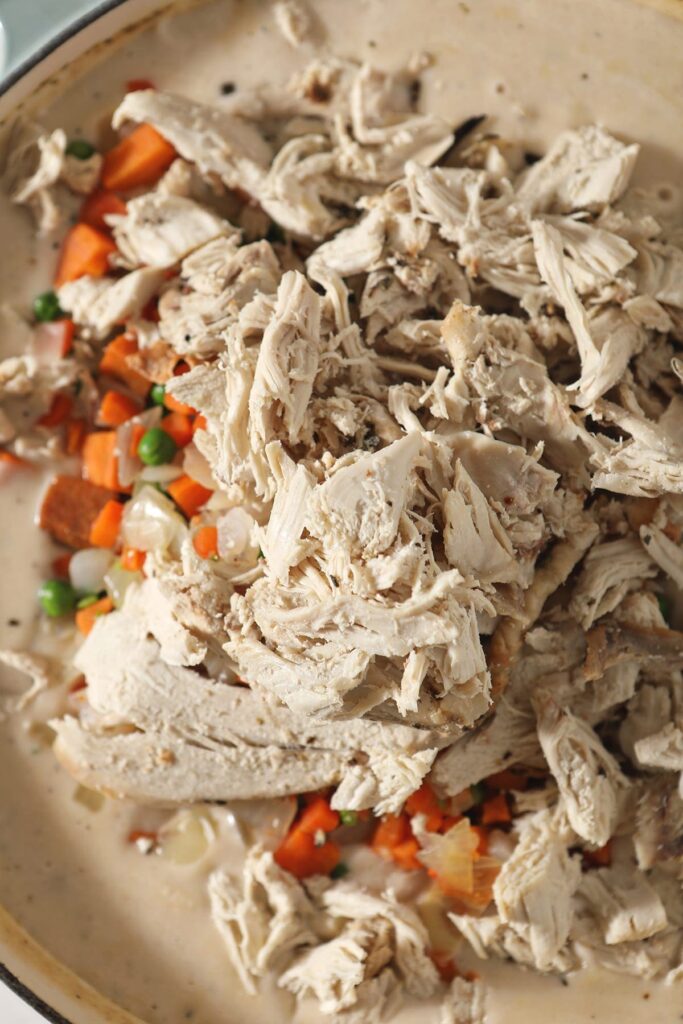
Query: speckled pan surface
{"x": 640, "y": 83}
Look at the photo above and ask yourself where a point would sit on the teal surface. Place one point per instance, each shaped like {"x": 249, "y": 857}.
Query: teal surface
{"x": 28, "y": 25}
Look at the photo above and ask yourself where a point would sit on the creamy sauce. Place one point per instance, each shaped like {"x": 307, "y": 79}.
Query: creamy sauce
{"x": 137, "y": 927}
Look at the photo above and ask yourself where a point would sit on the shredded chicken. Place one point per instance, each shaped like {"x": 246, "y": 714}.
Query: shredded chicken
{"x": 437, "y": 408}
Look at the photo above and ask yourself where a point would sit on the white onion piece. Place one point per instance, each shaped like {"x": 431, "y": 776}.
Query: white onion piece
{"x": 151, "y": 522}
{"x": 500, "y": 844}
{"x": 160, "y": 474}
{"x": 47, "y": 343}
{"x": 263, "y": 821}
{"x": 196, "y": 466}
{"x": 187, "y": 836}
{"x": 87, "y": 569}
{"x": 118, "y": 580}
{"x": 89, "y": 798}
{"x": 130, "y": 465}
{"x": 236, "y": 531}
{"x": 433, "y": 910}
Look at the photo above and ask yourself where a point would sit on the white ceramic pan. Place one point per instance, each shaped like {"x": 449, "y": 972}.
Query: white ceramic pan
{"x": 56, "y": 992}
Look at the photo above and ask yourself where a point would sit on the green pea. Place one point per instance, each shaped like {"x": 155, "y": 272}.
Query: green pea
{"x": 158, "y": 394}
{"x": 56, "y": 598}
{"x": 340, "y": 870}
{"x": 80, "y": 148}
{"x": 156, "y": 447}
{"x": 46, "y": 307}
{"x": 348, "y": 817}
{"x": 664, "y": 607}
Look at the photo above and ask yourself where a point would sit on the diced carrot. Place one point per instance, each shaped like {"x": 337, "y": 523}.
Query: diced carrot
{"x": 508, "y": 780}
{"x": 199, "y": 423}
{"x": 100, "y": 461}
{"x": 75, "y": 435}
{"x": 78, "y": 685}
{"x": 10, "y": 459}
{"x": 139, "y": 159}
{"x": 600, "y": 858}
{"x": 445, "y": 964}
{"x": 9, "y": 464}
{"x": 205, "y": 542}
{"x": 104, "y": 531}
{"x": 114, "y": 362}
{"x": 116, "y": 408}
{"x": 424, "y": 801}
{"x": 299, "y": 855}
{"x": 86, "y": 617}
{"x": 179, "y": 427}
{"x": 391, "y": 831}
{"x": 60, "y": 565}
{"x": 137, "y": 433}
{"x": 85, "y": 251}
{"x": 99, "y": 205}
{"x": 483, "y": 836}
{"x": 672, "y": 531}
{"x": 496, "y": 810}
{"x": 188, "y": 494}
{"x": 140, "y": 833}
{"x": 405, "y": 855}
{"x": 69, "y": 508}
{"x": 175, "y": 406}
{"x": 59, "y": 411}
{"x": 68, "y": 330}
{"x": 448, "y": 821}
{"x": 139, "y": 84}
{"x": 318, "y": 817}
{"x": 640, "y": 511}
{"x": 132, "y": 559}
{"x": 151, "y": 311}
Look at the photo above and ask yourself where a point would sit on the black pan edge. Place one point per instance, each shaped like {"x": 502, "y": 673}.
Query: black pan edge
{"x": 34, "y": 1001}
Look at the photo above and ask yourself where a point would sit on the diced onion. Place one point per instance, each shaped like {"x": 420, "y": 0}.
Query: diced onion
{"x": 196, "y": 466}
{"x": 235, "y": 534}
{"x": 47, "y": 344}
{"x": 151, "y": 522}
{"x": 187, "y": 836}
{"x": 117, "y": 581}
{"x": 160, "y": 474}
{"x": 452, "y": 855}
{"x": 89, "y": 798}
{"x": 129, "y": 466}
{"x": 433, "y": 910}
{"x": 87, "y": 569}
{"x": 264, "y": 821}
